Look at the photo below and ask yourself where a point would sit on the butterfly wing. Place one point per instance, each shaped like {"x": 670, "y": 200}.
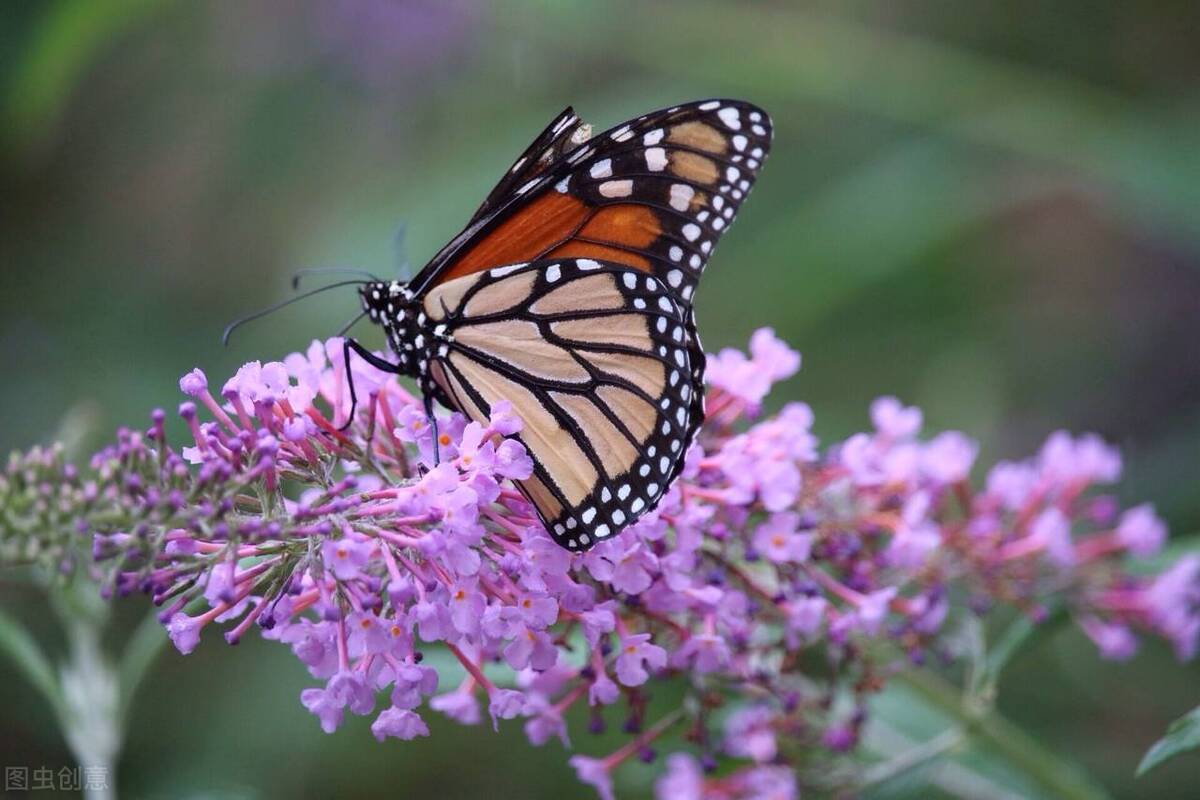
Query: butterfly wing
{"x": 593, "y": 357}
{"x": 655, "y": 194}
{"x": 564, "y": 133}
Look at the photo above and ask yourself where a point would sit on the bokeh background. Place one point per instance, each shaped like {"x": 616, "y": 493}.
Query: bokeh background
{"x": 989, "y": 209}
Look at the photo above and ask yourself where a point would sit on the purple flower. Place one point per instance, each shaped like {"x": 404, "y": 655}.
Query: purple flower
{"x": 874, "y": 607}
{"x": 750, "y": 378}
{"x": 506, "y": 704}
{"x": 344, "y": 557}
{"x": 545, "y": 723}
{"x": 893, "y": 420}
{"x": 594, "y": 772}
{"x": 344, "y": 690}
{"x": 749, "y": 734}
{"x": 804, "y": 618}
{"x": 194, "y": 383}
{"x": 1087, "y": 459}
{"x": 703, "y": 652}
{"x": 1053, "y": 530}
{"x": 1115, "y": 642}
{"x": 338, "y": 538}
{"x": 184, "y": 632}
{"x": 638, "y": 657}
{"x": 412, "y": 682}
{"x": 948, "y": 457}
{"x": 683, "y": 779}
{"x": 779, "y": 540}
{"x": 462, "y": 707}
{"x": 1140, "y": 531}
{"x": 1174, "y": 605}
{"x": 399, "y": 723}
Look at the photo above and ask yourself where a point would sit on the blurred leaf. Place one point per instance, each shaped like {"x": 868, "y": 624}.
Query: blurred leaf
{"x": 141, "y": 650}
{"x": 1022, "y": 636}
{"x": 25, "y": 653}
{"x": 921, "y": 705}
{"x": 64, "y": 43}
{"x": 1182, "y": 735}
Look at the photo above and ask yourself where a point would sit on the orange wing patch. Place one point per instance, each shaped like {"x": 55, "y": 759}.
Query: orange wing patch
{"x": 537, "y": 228}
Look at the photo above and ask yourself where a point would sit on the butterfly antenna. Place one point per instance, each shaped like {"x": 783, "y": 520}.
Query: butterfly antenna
{"x": 304, "y": 273}
{"x": 403, "y": 267}
{"x": 237, "y": 323}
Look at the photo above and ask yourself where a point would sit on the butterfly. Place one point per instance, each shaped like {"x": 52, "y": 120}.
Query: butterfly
{"x": 569, "y": 295}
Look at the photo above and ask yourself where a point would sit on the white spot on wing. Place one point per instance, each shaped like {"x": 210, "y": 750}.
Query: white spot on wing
{"x": 730, "y": 117}
{"x": 656, "y": 159}
{"x": 691, "y": 231}
{"x": 617, "y": 188}
{"x": 681, "y": 196}
{"x": 601, "y": 169}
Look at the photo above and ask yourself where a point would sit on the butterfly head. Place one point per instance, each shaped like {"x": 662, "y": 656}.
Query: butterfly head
{"x": 390, "y": 305}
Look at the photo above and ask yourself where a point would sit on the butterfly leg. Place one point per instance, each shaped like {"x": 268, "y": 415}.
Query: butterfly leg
{"x": 372, "y": 359}
{"x": 437, "y": 455}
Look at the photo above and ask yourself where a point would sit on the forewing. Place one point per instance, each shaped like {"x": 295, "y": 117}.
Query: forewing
{"x": 655, "y": 194}
{"x": 594, "y": 358}
{"x": 564, "y": 133}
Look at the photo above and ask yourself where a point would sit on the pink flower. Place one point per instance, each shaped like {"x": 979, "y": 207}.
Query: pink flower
{"x": 750, "y": 378}
{"x": 1140, "y": 531}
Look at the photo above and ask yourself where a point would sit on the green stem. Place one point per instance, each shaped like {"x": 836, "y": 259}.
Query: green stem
{"x": 1056, "y": 777}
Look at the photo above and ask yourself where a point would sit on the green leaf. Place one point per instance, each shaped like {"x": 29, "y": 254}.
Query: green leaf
{"x": 920, "y": 706}
{"x": 1182, "y": 735}
{"x": 29, "y": 659}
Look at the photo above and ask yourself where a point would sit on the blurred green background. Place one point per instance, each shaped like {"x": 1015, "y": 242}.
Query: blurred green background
{"x": 989, "y": 209}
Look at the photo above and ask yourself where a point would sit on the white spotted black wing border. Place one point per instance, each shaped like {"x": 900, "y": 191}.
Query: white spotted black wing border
{"x": 615, "y": 500}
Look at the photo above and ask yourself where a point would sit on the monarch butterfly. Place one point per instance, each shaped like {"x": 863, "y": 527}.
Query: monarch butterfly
{"x": 569, "y": 294}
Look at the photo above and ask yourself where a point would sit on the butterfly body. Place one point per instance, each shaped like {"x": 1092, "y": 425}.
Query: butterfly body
{"x": 569, "y": 296}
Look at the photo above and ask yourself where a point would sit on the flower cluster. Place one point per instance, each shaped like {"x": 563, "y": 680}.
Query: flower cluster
{"x": 364, "y": 543}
